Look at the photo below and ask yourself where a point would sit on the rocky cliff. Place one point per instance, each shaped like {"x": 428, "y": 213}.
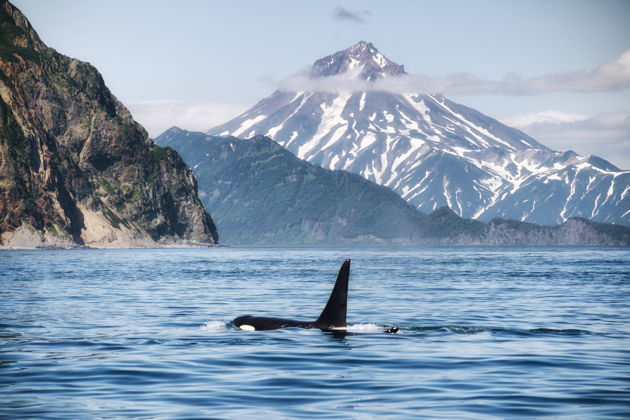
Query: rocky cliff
{"x": 75, "y": 168}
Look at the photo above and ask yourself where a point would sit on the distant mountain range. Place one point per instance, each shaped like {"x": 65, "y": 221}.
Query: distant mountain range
{"x": 259, "y": 193}
{"x": 75, "y": 168}
{"x": 431, "y": 151}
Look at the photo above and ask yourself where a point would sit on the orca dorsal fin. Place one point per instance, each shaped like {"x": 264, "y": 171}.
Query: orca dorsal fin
{"x": 334, "y": 314}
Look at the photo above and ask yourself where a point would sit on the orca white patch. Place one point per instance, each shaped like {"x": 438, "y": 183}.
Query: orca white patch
{"x": 246, "y": 327}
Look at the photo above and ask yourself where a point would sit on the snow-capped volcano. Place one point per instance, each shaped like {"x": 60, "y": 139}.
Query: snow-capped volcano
{"x": 432, "y": 151}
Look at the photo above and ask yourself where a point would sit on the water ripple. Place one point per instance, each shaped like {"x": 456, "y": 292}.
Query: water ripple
{"x": 484, "y": 333}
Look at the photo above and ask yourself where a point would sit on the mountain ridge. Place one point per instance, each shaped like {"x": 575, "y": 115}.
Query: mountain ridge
{"x": 263, "y": 194}
{"x": 434, "y": 152}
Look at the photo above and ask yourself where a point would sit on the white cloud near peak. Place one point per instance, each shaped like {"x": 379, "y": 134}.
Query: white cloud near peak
{"x": 610, "y": 76}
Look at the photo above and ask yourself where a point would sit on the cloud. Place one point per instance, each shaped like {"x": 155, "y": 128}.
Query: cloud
{"x": 417, "y": 83}
{"x": 613, "y": 75}
{"x": 358, "y": 16}
{"x": 610, "y": 76}
{"x": 550, "y": 117}
{"x": 606, "y": 135}
{"x": 157, "y": 116}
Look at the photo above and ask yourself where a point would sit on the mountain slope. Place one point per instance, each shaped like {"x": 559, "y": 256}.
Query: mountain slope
{"x": 75, "y": 168}
{"x": 431, "y": 151}
{"x": 261, "y": 193}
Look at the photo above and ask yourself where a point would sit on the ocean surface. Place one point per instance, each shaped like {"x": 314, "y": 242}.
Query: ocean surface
{"x": 484, "y": 333}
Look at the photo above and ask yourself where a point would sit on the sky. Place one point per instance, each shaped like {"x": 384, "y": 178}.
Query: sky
{"x": 557, "y": 69}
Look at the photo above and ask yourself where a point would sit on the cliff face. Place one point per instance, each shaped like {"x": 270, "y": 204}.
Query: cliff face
{"x": 75, "y": 168}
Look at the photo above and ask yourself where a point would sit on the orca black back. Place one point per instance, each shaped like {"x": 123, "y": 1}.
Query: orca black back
{"x": 332, "y": 318}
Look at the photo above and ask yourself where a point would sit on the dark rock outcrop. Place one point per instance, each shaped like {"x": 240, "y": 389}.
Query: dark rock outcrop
{"x": 75, "y": 168}
{"x": 575, "y": 231}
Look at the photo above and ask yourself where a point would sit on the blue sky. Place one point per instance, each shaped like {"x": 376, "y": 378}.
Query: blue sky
{"x": 198, "y": 63}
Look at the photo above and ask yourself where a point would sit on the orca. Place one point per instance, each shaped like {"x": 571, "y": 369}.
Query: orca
{"x": 332, "y": 318}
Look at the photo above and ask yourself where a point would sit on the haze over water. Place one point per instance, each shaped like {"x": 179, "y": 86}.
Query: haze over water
{"x": 485, "y": 333}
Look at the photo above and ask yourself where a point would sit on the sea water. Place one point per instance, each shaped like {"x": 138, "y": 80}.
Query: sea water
{"x": 484, "y": 333}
